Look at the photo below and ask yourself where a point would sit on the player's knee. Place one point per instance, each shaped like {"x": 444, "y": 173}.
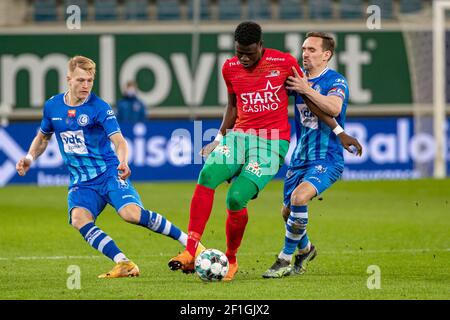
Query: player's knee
{"x": 235, "y": 200}
{"x": 206, "y": 178}
{"x": 131, "y": 213}
{"x": 80, "y": 218}
{"x": 299, "y": 199}
{"x": 76, "y": 222}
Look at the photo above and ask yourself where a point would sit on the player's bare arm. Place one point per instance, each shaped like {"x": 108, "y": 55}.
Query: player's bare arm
{"x": 331, "y": 105}
{"x": 325, "y": 118}
{"x": 228, "y": 121}
{"x": 38, "y": 146}
{"x": 350, "y": 143}
{"x": 297, "y": 83}
{"x": 121, "y": 147}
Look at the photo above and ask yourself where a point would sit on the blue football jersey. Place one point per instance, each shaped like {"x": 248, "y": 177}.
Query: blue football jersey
{"x": 315, "y": 140}
{"x": 83, "y": 135}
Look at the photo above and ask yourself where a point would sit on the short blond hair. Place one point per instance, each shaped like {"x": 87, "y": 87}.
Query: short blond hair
{"x": 83, "y": 63}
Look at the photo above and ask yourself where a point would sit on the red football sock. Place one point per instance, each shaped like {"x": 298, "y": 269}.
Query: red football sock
{"x": 201, "y": 206}
{"x": 236, "y": 222}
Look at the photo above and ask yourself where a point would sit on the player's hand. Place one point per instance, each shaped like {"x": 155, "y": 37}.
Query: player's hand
{"x": 22, "y": 166}
{"x": 206, "y": 150}
{"x": 124, "y": 170}
{"x": 350, "y": 144}
{"x": 297, "y": 83}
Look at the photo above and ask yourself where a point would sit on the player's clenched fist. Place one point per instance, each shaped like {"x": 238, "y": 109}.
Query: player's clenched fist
{"x": 22, "y": 166}
{"x": 206, "y": 150}
{"x": 297, "y": 82}
{"x": 124, "y": 170}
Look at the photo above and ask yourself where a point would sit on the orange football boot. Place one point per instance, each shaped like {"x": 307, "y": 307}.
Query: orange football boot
{"x": 121, "y": 270}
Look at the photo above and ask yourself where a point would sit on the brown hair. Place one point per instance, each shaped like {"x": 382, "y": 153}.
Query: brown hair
{"x": 328, "y": 42}
{"x": 83, "y": 63}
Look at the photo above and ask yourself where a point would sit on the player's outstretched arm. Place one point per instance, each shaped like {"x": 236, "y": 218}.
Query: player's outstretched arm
{"x": 38, "y": 146}
{"x": 121, "y": 146}
{"x": 228, "y": 121}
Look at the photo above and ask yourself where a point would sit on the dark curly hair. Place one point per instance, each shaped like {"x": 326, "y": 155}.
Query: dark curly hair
{"x": 247, "y": 33}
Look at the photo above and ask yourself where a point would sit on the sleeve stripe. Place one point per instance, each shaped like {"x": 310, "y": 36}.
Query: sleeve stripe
{"x": 46, "y": 133}
{"x": 337, "y": 95}
{"x": 109, "y": 135}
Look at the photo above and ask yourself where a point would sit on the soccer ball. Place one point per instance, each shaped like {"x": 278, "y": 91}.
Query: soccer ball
{"x": 211, "y": 265}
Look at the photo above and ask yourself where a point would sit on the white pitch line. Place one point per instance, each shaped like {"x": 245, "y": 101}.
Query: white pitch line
{"x": 49, "y": 258}
{"x": 387, "y": 251}
{"x": 363, "y": 251}
{"x": 242, "y": 254}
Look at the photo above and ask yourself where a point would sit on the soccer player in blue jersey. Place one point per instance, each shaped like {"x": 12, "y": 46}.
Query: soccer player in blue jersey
{"x": 317, "y": 161}
{"x": 85, "y": 126}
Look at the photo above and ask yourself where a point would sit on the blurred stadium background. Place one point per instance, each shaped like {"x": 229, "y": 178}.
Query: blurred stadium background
{"x": 174, "y": 50}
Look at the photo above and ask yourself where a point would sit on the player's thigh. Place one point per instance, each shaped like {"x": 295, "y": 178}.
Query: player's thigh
{"x": 267, "y": 155}
{"x": 322, "y": 176}
{"x": 87, "y": 199}
{"x": 121, "y": 193}
{"x": 264, "y": 161}
{"x": 214, "y": 174}
{"x": 285, "y": 212}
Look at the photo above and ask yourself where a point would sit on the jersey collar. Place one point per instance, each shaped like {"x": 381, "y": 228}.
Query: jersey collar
{"x": 321, "y": 74}
{"x": 64, "y": 99}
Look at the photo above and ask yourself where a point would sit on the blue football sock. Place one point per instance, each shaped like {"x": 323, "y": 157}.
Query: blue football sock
{"x": 102, "y": 242}
{"x": 295, "y": 231}
{"x": 304, "y": 241}
{"x": 157, "y": 223}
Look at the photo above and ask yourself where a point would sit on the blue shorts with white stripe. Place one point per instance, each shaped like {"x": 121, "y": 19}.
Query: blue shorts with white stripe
{"x": 93, "y": 195}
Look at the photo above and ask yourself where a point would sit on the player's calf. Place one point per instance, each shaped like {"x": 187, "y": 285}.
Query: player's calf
{"x": 159, "y": 224}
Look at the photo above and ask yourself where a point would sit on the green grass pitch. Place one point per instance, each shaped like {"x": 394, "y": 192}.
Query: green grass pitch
{"x": 402, "y": 227}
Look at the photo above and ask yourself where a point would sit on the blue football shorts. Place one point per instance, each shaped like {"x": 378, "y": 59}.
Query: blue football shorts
{"x": 320, "y": 174}
{"x": 106, "y": 188}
